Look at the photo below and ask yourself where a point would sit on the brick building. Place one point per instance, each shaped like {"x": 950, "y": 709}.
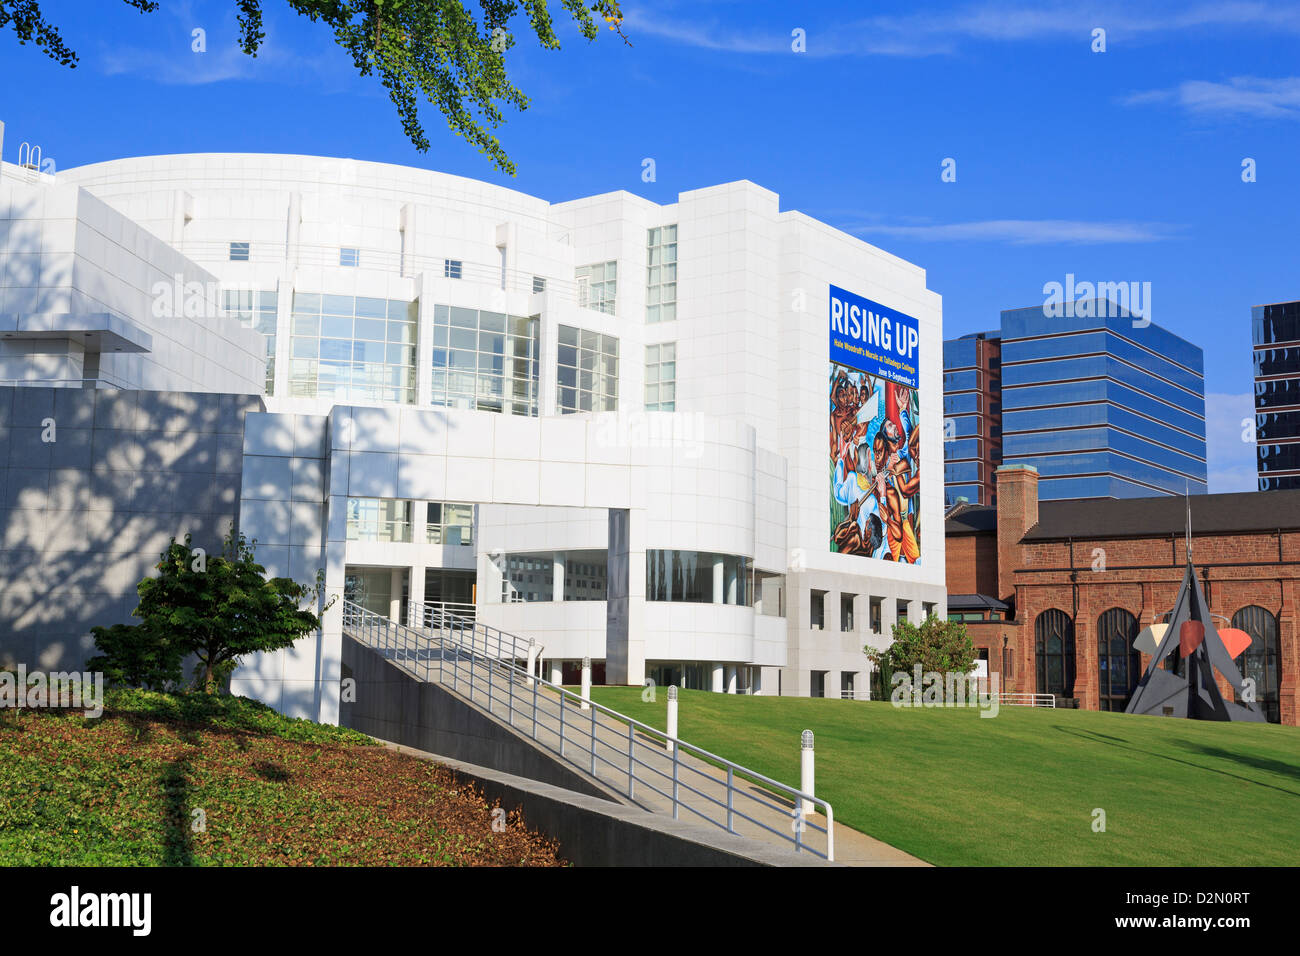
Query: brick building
{"x": 1077, "y": 580}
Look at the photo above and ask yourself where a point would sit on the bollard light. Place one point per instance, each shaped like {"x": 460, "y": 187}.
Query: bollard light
{"x": 586, "y": 683}
{"x": 672, "y": 717}
{"x": 532, "y": 661}
{"x": 806, "y": 769}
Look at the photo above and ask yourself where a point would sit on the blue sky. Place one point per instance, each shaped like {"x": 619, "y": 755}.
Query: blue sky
{"x": 1115, "y": 166}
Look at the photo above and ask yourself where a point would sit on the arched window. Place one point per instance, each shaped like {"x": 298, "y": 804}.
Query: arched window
{"x": 1054, "y": 653}
{"x": 1118, "y": 665}
{"x": 1260, "y": 660}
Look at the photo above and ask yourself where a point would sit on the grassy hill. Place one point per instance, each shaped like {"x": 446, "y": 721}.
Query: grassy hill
{"x": 122, "y": 790}
{"x": 1020, "y": 788}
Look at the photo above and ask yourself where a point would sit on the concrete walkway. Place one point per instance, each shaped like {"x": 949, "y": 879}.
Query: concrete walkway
{"x": 680, "y": 785}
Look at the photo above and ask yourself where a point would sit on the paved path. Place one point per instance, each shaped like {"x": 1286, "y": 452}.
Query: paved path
{"x": 600, "y": 745}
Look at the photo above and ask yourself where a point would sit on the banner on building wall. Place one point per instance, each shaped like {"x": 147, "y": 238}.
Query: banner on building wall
{"x": 875, "y": 463}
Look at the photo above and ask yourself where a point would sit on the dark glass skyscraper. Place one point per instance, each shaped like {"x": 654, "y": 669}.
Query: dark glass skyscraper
{"x": 1276, "y": 332}
{"x": 1103, "y": 404}
{"x": 972, "y": 412}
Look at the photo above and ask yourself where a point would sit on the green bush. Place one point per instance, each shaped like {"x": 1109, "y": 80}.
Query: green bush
{"x": 136, "y": 656}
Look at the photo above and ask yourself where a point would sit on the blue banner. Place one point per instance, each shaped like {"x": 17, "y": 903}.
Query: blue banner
{"x": 874, "y": 338}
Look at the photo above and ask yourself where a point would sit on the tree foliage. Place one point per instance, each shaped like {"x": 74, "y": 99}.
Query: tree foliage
{"x": 218, "y": 608}
{"x": 136, "y": 656}
{"x": 937, "y": 645}
{"x": 439, "y": 51}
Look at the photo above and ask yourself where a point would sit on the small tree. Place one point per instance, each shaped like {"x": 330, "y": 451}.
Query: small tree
{"x": 218, "y": 608}
{"x": 937, "y": 645}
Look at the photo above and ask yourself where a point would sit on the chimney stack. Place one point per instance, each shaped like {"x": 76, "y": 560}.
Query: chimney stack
{"x": 1017, "y": 513}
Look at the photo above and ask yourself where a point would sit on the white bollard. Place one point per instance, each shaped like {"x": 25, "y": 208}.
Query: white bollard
{"x": 806, "y": 770}
{"x": 672, "y": 717}
{"x": 586, "y": 683}
{"x": 532, "y": 661}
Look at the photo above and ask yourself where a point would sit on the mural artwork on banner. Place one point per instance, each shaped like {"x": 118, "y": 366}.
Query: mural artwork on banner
{"x": 875, "y": 465}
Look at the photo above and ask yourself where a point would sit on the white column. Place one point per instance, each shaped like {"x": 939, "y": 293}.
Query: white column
{"x": 557, "y": 576}
{"x": 417, "y": 587}
{"x": 731, "y": 584}
{"x": 557, "y": 672}
{"x": 396, "y": 577}
{"x": 717, "y": 678}
{"x": 731, "y": 678}
{"x": 718, "y": 583}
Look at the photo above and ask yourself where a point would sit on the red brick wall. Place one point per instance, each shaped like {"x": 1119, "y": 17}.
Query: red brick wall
{"x": 972, "y": 564}
{"x": 1137, "y": 575}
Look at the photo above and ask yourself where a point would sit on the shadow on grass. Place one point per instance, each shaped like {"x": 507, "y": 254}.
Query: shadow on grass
{"x": 1249, "y": 760}
{"x": 1210, "y": 752}
{"x": 273, "y": 772}
{"x": 178, "y": 846}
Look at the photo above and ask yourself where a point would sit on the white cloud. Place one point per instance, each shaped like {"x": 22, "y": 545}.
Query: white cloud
{"x": 923, "y": 34}
{"x": 1230, "y": 458}
{"x": 1241, "y": 95}
{"x": 1026, "y": 231}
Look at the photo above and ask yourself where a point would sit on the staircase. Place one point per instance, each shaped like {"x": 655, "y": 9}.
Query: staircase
{"x": 488, "y": 669}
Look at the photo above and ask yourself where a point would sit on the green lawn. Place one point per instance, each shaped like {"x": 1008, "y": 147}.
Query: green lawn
{"x": 1018, "y": 789}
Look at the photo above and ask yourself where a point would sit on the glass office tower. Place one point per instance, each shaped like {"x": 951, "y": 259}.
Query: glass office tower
{"x": 1103, "y": 405}
{"x": 1276, "y": 333}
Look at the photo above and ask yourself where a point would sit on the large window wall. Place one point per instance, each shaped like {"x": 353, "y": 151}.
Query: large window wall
{"x": 696, "y": 577}
{"x": 485, "y": 360}
{"x": 586, "y": 371}
{"x": 256, "y": 310}
{"x": 353, "y": 348}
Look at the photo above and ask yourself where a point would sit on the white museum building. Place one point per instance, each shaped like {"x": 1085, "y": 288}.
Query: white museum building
{"x": 626, "y": 430}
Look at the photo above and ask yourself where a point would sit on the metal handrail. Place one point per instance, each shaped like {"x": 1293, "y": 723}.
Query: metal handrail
{"x": 1027, "y": 700}
{"x": 454, "y": 644}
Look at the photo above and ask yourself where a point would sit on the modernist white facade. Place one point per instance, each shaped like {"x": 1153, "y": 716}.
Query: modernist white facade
{"x": 476, "y": 396}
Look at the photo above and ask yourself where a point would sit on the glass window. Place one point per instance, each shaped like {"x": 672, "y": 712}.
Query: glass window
{"x": 349, "y": 257}
{"x": 379, "y": 519}
{"x": 496, "y": 356}
{"x": 1118, "y": 664}
{"x": 257, "y": 310}
{"x": 240, "y": 251}
{"x": 661, "y": 377}
{"x": 348, "y": 336}
{"x": 690, "y": 576}
{"x": 450, "y": 523}
{"x": 587, "y": 373}
{"x": 661, "y": 274}
{"x": 598, "y": 286}
{"x": 452, "y": 268}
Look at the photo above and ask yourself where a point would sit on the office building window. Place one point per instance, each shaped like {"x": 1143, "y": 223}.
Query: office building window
{"x": 661, "y": 275}
{"x": 877, "y": 614}
{"x": 485, "y": 360}
{"x": 379, "y": 519}
{"x": 527, "y": 577}
{"x": 539, "y": 284}
{"x": 696, "y": 577}
{"x": 349, "y": 257}
{"x": 598, "y": 286}
{"x": 450, "y": 523}
{"x": 586, "y": 371}
{"x": 353, "y": 348}
{"x": 239, "y": 251}
{"x": 661, "y": 377}
{"x": 256, "y": 310}
{"x": 452, "y": 268}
